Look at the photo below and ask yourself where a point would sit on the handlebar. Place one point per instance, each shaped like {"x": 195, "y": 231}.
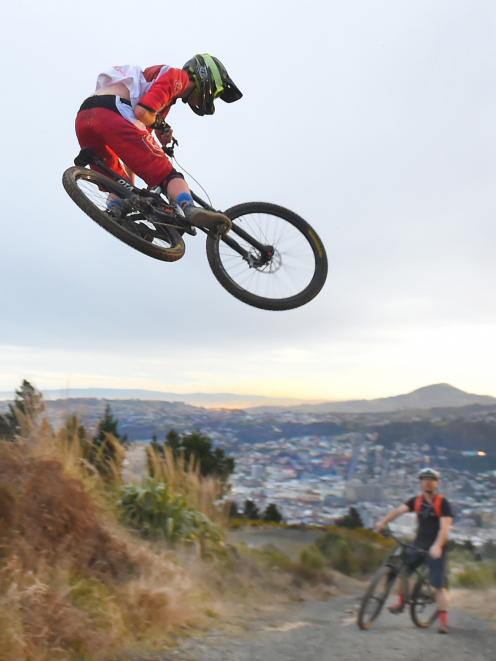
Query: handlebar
{"x": 163, "y": 127}
{"x": 388, "y": 534}
{"x": 170, "y": 149}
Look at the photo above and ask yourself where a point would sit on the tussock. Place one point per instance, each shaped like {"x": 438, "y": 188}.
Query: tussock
{"x": 73, "y": 583}
{"x": 201, "y": 493}
{"x": 52, "y": 518}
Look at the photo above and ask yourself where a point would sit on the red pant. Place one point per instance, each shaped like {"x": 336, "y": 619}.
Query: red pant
{"x": 112, "y": 138}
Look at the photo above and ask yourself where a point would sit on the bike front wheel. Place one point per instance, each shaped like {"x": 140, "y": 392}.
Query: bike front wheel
{"x": 375, "y": 596}
{"x": 423, "y": 606}
{"x": 271, "y": 259}
{"x": 146, "y": 232}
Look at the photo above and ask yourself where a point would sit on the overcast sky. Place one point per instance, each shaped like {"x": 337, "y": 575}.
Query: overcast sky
{"x": 375, "y": 120}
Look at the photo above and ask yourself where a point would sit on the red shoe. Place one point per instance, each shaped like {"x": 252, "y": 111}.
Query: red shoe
{"x": 443, "y": 622}
{"x": 396, "y": 609}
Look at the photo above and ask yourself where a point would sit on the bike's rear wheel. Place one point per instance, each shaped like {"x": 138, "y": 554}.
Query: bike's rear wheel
{"x": 423, "y": 606}
{"x": 288, "y": 274}
{"x": 375, "y": 596}
{"x": 90, "y": 190}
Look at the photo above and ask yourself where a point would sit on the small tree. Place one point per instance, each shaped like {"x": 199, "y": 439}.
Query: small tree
{"x": 25, "y": 410}
{"x": 272, "y": 514}
{"x": 198, "y": 448}
{"x": 5, "y": 430}
{"x": 173, "y": 440}
{"x": 250, "y": 510}
{"x": 105, "y": 451}
{"x": 350, "y": 520}
{"x": 234, "y": 512}
{"x": 109, "y": 425}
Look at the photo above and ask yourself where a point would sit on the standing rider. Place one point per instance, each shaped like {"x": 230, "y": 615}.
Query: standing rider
{"x": 129, "y": 103}
{"x": 434, "y": 516}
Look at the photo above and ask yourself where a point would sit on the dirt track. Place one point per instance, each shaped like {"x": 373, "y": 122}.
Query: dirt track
{"x": 326, "y": 631}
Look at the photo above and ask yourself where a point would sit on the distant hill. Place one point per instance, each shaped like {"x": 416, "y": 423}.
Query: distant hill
{"x": 440, "y": 395}
{"x": 202, "y": 399}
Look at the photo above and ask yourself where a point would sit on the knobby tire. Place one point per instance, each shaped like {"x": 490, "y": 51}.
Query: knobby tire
{"x": 423, "y": 596}
{"x": 386, "y": 574}
{"x": 309, "y": 239}
{"x": 70, "y": 180}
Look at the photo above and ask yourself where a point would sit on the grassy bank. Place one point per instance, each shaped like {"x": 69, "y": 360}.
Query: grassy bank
{"x": 92, "y": 569}
{"x": 476, "y": 575}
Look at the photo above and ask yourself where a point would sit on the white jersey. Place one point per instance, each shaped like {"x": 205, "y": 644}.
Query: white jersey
{"x": 132, "y": 77}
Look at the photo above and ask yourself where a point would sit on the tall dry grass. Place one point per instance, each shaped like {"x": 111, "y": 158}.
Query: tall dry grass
{"x": 184, "y": 478}
{"x": 74, "y": 584}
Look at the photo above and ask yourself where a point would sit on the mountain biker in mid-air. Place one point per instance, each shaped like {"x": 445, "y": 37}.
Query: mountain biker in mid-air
{"x": 434, "y": 516}
{"x": 117, "y": 121}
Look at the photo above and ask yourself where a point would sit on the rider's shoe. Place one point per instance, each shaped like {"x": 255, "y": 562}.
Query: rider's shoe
{"x": 213, "y": 220}
{"x": 114, "y": 205}
{"x": 396, "y": 609}
{"x": 443, "y": 621}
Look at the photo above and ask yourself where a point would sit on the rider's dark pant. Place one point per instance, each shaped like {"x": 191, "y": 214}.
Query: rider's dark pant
{"x": 437, "y": 567}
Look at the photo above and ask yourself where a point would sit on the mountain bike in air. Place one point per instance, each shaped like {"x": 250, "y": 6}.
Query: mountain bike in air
{"x": 271, "y": 258}
{"x": 420, "y": 598}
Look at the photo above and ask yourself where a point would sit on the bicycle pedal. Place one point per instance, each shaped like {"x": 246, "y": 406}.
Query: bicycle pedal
{"x": 115, "y": 213}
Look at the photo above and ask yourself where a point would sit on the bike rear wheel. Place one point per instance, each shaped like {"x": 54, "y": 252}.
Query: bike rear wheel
{"x": 375, "y": 596}
{"x": 423, "y": 606}
{"x": 146, "y": 232}
{"x": 271, "y": 259}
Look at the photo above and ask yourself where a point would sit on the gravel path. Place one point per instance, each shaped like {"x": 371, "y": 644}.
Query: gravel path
{"x": 326, "y": 631}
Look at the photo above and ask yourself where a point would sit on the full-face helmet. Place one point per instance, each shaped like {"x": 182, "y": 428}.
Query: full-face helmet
{"x": 211, "y": 82}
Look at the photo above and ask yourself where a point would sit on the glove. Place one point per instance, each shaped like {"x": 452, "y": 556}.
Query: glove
{"x": 163, "y": 131}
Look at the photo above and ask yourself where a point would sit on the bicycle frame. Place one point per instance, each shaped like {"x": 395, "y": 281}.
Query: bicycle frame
{"x": 404, "y": 576}
{"x": 87, "y": 157}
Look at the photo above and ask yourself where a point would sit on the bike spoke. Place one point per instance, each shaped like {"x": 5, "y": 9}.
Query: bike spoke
{"x": 288, "y": 272}
{"x": 133, "y": 221}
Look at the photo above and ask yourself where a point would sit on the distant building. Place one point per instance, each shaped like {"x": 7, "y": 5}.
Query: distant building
{"x": 257, "y": 472}
{"x": 356, "y": 492}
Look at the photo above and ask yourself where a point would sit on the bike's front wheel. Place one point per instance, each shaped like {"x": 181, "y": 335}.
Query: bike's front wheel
{"x": 375, "y": 596}
{"x": 147, "y": 231}
{"x": 271, "y": 259}
{"x": 423, "y": 606}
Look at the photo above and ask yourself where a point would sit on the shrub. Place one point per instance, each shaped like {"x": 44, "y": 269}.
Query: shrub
{"x": 197, "y": 451}
{"x": 276, "y": 558}
{"x": 312, "y": 558}
{"x": 476, "y": 575}
{"x": 185, "y": 480}
{"x": 353, "y": 551}
{"x": 154, "y": 510}
{"x": 351, "y": 520}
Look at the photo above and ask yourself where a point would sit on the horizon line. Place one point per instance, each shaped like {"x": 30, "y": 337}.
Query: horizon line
{"x": 50, "y": 392}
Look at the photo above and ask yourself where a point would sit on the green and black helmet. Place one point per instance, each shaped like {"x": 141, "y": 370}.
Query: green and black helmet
{"x": 211, "y": 81}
